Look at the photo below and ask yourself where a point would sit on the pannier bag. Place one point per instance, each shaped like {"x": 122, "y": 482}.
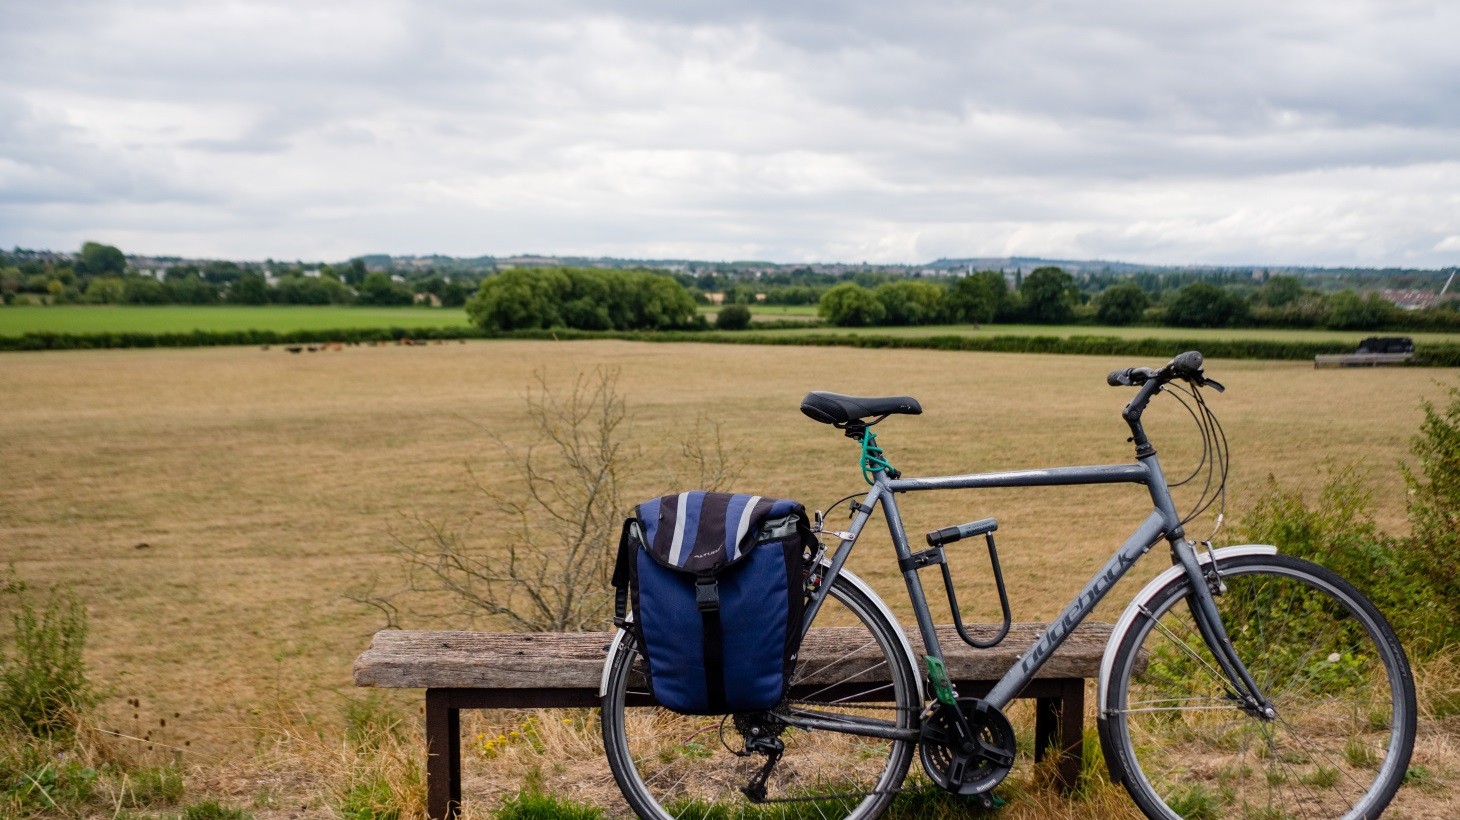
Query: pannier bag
{"x": 718, "y": 592}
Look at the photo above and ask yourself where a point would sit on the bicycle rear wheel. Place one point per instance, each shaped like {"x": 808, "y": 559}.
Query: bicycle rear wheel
{"x": 1318, "y": 650}
{"x": 669, "y": 765}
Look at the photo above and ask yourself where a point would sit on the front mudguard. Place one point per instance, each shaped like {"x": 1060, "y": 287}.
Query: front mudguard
{"x": 1138, "y": 605}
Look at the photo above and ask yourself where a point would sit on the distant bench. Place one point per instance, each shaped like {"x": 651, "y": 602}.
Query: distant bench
{"x": 515, "y": 670}
{"x": 1360, "y": 359}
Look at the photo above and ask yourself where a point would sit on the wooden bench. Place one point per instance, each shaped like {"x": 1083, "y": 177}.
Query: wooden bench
{"x": 492, "y": 670}
{"x": 1360, "y": 359}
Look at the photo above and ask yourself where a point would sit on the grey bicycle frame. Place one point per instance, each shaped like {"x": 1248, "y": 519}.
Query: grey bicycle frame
{"x": 1163, "y": 521}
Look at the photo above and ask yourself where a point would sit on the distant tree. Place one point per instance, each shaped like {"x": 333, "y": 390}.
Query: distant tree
{"x": 60, "y": 293}
{"x": 1201, "y": 304}
{"x": 249, "y": 289}
{"x": 190, "y": 290}
{"x": 97, "y": 259}
{"x": 379, "y": 289}
{"x": 583, "y": 298}
{"x": 453, "y": 294}
{"x": 850, "y": 305}
{"x": 975, "y": 299}
{"x": 294, "y": 289}
{"x": 143, "y": 290}
{"x": 355, "y": 272}
{"x": 106, "y": 290}
{"x": 11, "y": 281}
{"x": 660, "y": 302}
{"x": 910, "y": 302}
{"x": 1348, "y": 311}
{"x": 741, "y": 294}
{"x": 1049, "y": 295}
{"x": 519, "y": 298}
{"x": 223, "y": 273}
{"x": 1280, "y": 291}
{"x": 1122, "y": 304}
{"x": 732, "y": 317}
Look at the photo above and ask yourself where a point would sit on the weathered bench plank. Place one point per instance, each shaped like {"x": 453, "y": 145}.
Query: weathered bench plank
{"x": 495, "y": 670}
{"x": 499, "y": 660}
{"x": 1360, "y": 359}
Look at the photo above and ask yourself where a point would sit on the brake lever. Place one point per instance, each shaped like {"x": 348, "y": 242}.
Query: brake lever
{"x": 1205, "y": 382}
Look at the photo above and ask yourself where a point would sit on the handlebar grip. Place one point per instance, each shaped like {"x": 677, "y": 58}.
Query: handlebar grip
{"x": 1186, "y": 364}
{"x": 1130, "y": 377}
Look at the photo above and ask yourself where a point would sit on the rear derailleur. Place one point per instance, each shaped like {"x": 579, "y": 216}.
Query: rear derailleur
{"x": 762, "y": 734}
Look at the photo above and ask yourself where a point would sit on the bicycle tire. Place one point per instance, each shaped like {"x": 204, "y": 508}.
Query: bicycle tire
{"x": 669, "y": 765}
{"x": 1317, "y": 648}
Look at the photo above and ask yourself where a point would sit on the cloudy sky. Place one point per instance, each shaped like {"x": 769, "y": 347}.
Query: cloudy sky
{"x": 1322, "y": 132}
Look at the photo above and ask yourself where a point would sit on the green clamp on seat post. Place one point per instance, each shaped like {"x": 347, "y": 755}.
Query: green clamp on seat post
{"x": 873, "y": 459}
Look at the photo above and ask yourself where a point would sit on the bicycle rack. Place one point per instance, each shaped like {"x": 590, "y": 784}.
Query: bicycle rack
{"x": 935, "y": 555}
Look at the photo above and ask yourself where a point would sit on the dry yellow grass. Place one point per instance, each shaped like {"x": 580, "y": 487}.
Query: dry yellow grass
{"x": 214, "y": 506}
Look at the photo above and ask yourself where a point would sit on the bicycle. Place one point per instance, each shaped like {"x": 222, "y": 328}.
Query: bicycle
{"x": 1238, "y": 682}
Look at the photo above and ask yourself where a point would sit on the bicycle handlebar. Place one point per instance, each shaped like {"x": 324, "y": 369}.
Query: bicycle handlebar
{"x": 1187, "y": 366}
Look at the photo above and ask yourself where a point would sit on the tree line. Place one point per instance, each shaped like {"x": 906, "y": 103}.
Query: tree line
{"x": 632, "y": 299}
{"x": 100, "y": 275}
{"x": 1049, "y": 295}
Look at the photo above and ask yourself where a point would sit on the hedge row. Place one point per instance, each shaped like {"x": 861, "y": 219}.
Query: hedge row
{"x": 1446, "y": 355}
{"x": 1428, "y": 355}
{"x": 213, "y": 338}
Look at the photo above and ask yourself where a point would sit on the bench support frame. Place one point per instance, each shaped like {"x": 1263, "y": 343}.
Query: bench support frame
{"x": 1058, "y": 727}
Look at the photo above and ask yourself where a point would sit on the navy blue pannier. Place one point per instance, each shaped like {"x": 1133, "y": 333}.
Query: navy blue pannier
{"x": 718, "y": 592}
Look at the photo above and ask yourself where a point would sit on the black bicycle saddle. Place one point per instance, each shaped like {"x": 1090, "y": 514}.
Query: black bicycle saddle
{"x": 834, "y": 408}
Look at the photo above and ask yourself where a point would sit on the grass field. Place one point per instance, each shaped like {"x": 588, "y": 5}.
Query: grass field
{"x": 215, "y": 507}
{"x": 82, "y": 319}
{"x": 181, "y": 318}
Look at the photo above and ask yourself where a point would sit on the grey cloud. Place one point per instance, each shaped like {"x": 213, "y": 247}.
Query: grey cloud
{"x": 759, "y": 128}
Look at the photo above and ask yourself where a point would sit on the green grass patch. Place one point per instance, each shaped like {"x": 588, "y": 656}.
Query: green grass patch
{"x": 213, "y": 810}
{"x": 90, "y": 319}
{"x": 533, "y": 803}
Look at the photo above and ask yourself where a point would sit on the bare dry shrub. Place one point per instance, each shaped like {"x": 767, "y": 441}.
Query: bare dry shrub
{"x": 541, "y": 556}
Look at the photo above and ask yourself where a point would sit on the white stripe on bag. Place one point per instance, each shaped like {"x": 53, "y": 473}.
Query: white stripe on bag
{"x": 676, "y": 547}
{"x": 744, "y": 525}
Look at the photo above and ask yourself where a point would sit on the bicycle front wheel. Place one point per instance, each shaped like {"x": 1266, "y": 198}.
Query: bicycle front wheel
{"x": 1339, "y": 745}
{"x": 669, "y": 765}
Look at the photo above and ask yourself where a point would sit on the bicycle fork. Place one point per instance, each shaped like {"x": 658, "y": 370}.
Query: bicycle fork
{"x": 1205, "y": 585}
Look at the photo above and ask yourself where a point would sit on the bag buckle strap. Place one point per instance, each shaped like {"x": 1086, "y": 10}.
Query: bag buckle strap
{"x": 707, "y": 593}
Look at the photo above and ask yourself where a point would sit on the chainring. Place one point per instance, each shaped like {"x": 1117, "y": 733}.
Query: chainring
{"x": 965, "y": 770}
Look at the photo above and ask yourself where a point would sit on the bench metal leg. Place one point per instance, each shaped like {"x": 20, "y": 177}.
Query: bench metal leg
{"x": 1059, "y": 727}
{"x": 443, "y": 756}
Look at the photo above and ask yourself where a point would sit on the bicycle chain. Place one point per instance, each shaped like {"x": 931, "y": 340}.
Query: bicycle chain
{"x": 899, "y": 790}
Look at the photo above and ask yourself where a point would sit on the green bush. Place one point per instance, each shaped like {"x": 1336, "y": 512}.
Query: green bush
{"x": 1434, "y": 514}
{"x": 1414, "y": 581}
{"x": 732, "y": 317}
{"x": 1339, "y": 532}
{"x": 43, "y": 682}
